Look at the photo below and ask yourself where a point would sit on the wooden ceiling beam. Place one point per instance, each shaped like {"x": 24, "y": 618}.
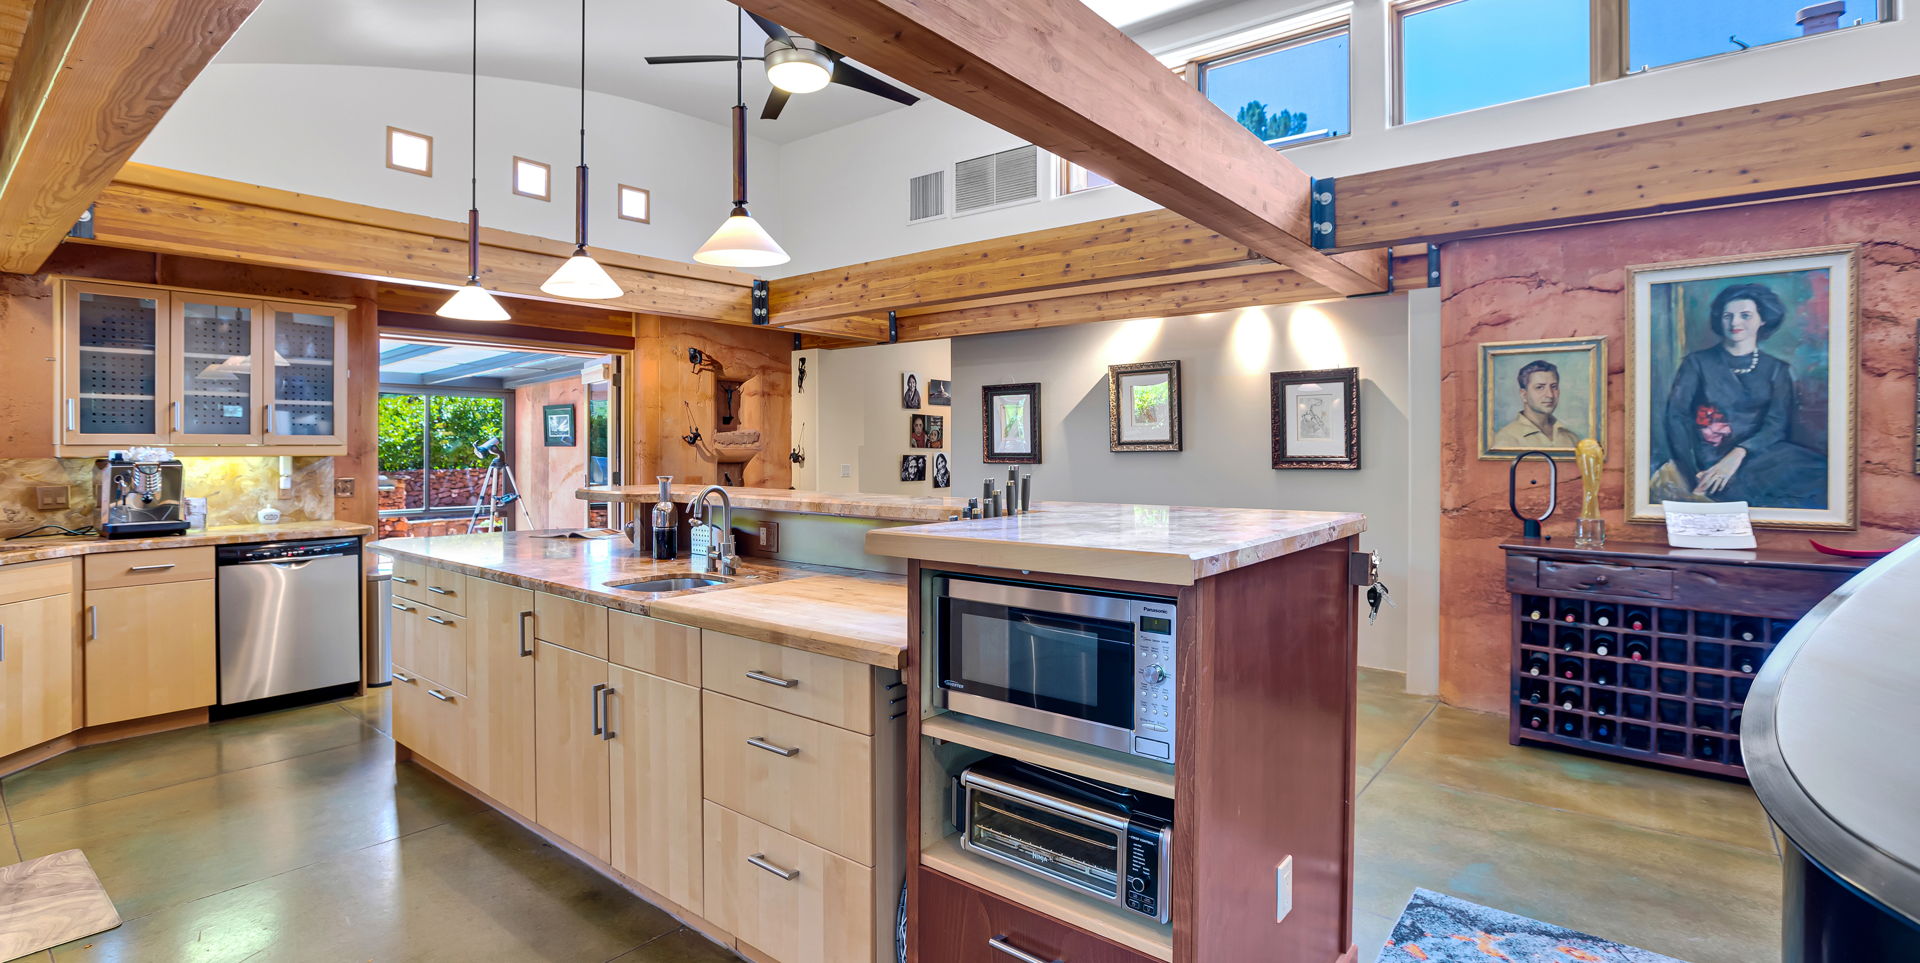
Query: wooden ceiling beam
{"x": 1060, "y": 76}
{"x": 1854, "y": 137}
{"x": 1280, "y": 286}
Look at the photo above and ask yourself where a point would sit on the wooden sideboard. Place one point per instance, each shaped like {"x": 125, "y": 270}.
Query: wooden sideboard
{"x": 1647, "y": 652}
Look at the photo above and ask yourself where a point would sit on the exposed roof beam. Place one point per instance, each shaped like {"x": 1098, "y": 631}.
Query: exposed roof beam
{"x": 1057, "y": 74}
{"x": 420, "y": 381}
{"x": 92, "y": 79}
{"x": 480, "y": 367}
{"x": 406, "y": 351}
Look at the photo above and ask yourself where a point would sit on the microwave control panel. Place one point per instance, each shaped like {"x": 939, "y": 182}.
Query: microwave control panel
{"x": 1154, "y": 680}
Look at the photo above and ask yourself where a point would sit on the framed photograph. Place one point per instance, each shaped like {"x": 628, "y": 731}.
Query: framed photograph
{"x": 927, "y": 431}
{"x": 1011, "y": 416}
{"x": 910, "y": 391}
{"x": 939, "y": 392}
{"x": 559, "y": 422}
{"x": 1542, "y": 396}
{"x": 1143, "y": 406}
{"x": 913, "y": 468}
{"x": 1740, "y": 387}
{"x": 1316, "y": 418}
{"x": 942, "y": 475}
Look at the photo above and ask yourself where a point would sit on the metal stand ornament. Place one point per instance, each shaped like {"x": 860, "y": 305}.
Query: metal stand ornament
{"x": 1530, "y": 527}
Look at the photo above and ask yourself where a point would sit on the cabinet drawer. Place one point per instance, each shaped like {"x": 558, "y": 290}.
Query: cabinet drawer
{"x": 430, "y": 642}
{"x": 444, "y": 590}
{"x": 821, "y": 687}
{"x": 961, "y": 924}
{"x": 431, "y": 719}
{"x": 120, "y": 569}
{"x": 1619, "y": 580}
{"x": 666, "y": 649}
{"x": 580, "y": 626}
{"x": 36, "y": 580}
{"x": 799, "y": 776}
{"x": 789, "y": 900}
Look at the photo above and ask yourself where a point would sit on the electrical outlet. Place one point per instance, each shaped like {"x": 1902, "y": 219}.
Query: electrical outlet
{"x": 1283, "y": 890}
{"x": 769, "y": 537}
{"x": 49, "y": 497}
{"x": 343, "y": 488}
{"x": 846, "y": 471}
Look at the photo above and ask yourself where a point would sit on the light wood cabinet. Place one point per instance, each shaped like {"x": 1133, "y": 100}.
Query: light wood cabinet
{"x": 432, "y": 643}
{"x": 307, "y": 391}
{"x": 432, "y": 720}
{"x": 665, "y": 649}
{"x": 820, "y": 687}
{"x": 655, "y": 780}
{"x": 36, "y": 672}
{"x": 580, "y": 626}
{"x": 216, "y": 361}
{"x": 796, "y": 775}
{"x": 149, "y": 650}
{"x": 570, "y": 748}
{"x": 788, "y": 899}
{"x": 116, "y": 381}
{"x": 500, "y": 679}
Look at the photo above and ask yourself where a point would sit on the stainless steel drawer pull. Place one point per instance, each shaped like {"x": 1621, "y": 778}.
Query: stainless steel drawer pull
{"x": 437, "y": 590}
{"x": 437, "y": 620}
{"x": 760, "y": 860}
{"x": 759, "y": 676}
{"x": 403, "y": 580}
{"x": 525, "y": 617}
{"x": 152, "y": 568}
{"x": 402, "y": 677}
{"x": 759, "y": 743}
{"x": 436, "y": 693}
{"x": 606, "y": 711}
{"x": 73, "y": 423}
{"x": 599, "y": 728}
{"x": 397, "y": 607}
{"x": 1000, "y": 943}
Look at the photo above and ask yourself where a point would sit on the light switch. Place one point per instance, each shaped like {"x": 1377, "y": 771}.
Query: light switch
{"x": 846, "y": 471}
{"x": 1283, "y": 890}
{"x": 47, "y": 497}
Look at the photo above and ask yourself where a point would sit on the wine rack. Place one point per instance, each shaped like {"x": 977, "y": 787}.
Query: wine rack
{"x": 1646, "y": 652}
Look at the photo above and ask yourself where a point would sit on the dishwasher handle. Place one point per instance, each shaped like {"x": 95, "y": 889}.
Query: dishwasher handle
{"x": 294, "y": 563}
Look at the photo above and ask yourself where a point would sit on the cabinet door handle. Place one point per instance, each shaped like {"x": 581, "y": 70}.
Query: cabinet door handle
{"x": 599, "y": 728}
{"x": 436, "y": 693}
{"x": 403, "y": 677}
{"x": 152, "y": 568}
{"x": 178, "y": 424}
{"x": 437, "y": 620}
{"x": 759, "y": 743}
{"x": 759, "y": 676}
{"x": 93, "y": 622}
{"x": 525, "y": 617}
{"x": 73, "y": 418}
{"x": 397, "y": 607}
{"x": 3, "y": 643}
{"x": 437, "y": 590}
{"x": 266, "y": 418}
{"x": 403, "y": 580}
{"x": 1000, "y": 943}
{"x": 760, "y": 860}
{"x": 606, "y": 711}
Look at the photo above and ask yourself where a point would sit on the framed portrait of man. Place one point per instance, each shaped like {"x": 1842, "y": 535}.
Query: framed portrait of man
{"x": 1740, "y": 387}
{"x": 1541, "y": 396}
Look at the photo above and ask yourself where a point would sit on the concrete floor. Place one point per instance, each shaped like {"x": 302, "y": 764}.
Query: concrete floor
{"x": 292, "y": 836}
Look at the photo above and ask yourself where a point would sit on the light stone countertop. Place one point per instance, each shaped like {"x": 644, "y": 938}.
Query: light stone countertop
{"x": 38, "y": 549}
{"x": 897, "y": 508}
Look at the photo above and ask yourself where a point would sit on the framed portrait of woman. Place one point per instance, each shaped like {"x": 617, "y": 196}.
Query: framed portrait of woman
{"x": 1740, "y": 380}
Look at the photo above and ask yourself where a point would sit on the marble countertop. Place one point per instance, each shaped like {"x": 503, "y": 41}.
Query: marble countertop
{"x": 897, "y": 508}
{"x": 1167, "y": 545}
{"x": 859, "y": 616}
{"x": 37, "y": 549}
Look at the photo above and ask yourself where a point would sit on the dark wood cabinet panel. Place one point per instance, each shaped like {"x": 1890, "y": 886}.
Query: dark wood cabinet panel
{"x": 959, "y": 923}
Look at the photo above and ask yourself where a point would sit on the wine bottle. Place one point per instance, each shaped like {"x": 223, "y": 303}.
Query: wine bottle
{"x": 1706, "y": 747}
{"x": 1570, "y": 640}
{"x": 1602, "y": 730}
{"x": 1568, "y": 697}
{"x": 1602, "y": 673}
{"x": 1746, "y": 660}
{"x": 1536, "y": 607}
{"x": 1602, "y": 644}
{"x": 1569, "y": 725}
{"x": 1534, "y": 691}
{"x": 1603, "y": 615}
{"x": 1637, "y": 651}
{"x": 1567, "y": 667}
{"x": 1746, "y": 629}
{"x": 1639, "y": 619}
{"x": 1536, "y": 664}
{"x": 1600, "y": 703}
{"x": 1533, "y": 718}
{"x": 1568, "y": 611}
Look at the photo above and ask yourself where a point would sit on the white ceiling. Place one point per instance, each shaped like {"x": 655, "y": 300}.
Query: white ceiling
{"x": 539, "y": 41}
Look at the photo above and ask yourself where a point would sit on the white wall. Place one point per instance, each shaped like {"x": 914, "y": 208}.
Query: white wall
{"x": 321, "y": 130}
{"x": 1225, "y": 361}
{"x": 849, "y": 417}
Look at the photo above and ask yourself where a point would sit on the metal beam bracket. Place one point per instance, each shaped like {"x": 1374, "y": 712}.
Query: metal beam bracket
{"x": 893, "y": 328}
{"x": 761, "y": 314}
{"x": 83, "y": 228}
{"x": 1433, "y": 265}
{"x": 1321, "y": 212}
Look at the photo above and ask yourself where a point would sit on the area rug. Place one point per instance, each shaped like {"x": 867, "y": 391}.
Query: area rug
{"x": 49, "y": 901}
{"x": 1437, "y": 928}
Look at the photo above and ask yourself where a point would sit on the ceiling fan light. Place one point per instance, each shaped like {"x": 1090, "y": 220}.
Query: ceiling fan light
{"x": 471, "y": 302}
{"x": 582, "y": 278}
{"x": 798, "y": 70}
{"x": 741, "y": 242}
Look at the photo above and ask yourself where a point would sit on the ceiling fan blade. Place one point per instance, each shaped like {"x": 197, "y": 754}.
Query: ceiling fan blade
{"x": 694, "y": 59}
{"x": 776, "y": 102}
{"x": 848, "y": 75}
{"x": 773, "y": 30}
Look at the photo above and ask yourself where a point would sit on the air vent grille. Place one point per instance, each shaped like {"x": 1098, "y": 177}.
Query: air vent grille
{"x": 996, "y": 180}
{"x": 927, "y": 197}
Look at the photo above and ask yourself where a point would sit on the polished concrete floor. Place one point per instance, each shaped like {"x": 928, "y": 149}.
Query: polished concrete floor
{"x": 292, "y": 836}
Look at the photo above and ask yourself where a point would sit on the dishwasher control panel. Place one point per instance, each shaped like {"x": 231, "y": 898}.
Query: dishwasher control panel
{"x": 287, "y": 551}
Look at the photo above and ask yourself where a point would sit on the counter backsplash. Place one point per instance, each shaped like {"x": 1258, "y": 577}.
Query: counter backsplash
{"x": 236, "y": 489}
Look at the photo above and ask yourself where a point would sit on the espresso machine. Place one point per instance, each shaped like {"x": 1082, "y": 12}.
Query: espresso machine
{"x": 140, "y": 494}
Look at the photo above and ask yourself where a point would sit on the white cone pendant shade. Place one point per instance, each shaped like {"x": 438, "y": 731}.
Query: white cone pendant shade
{"x": 741, "y": 242}
{"x": 582, "y": 277}
{"x": 473, "y": 303}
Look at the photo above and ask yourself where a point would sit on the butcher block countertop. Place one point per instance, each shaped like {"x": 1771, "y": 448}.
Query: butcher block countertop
{"x": 38, "y": 549}
{"x": 892, "y": 508}
{"x": 847, "y": 614}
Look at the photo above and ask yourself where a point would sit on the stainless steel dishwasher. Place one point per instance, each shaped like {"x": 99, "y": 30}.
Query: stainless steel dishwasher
{"x": 289, "y": 617}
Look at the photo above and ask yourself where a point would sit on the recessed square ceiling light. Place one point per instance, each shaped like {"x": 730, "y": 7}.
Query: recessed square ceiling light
{"x": 532, "y": 179}
{"x": 410, "y": 152}
{"x": 636, "y": 204}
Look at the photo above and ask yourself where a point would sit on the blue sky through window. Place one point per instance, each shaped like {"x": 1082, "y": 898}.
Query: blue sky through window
{"x": 1477, "y": 53}
{"x": 1664, "y": 32}
{"x": 1309, "y": 79}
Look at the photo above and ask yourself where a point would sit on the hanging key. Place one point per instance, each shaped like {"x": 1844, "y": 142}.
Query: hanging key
{"x": 1376, "y": 594}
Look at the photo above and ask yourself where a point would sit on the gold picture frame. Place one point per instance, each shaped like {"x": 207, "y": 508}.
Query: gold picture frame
{"x": 1578, "y": 363}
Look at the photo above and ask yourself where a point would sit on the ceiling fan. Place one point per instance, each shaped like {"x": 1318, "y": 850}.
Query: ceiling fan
{"x": 796, "y": 65}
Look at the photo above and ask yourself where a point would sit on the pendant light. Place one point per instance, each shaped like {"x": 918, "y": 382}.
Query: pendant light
{"x": 471, "y": 302}
{"x": 740, "y": 241}
{"x": 581, "y": 276}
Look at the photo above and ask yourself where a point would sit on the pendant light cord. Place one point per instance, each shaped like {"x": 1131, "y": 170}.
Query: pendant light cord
{"x": 740, "y": 57}
{"x": 580, "y": 174}
{"x": 583, "y": 83}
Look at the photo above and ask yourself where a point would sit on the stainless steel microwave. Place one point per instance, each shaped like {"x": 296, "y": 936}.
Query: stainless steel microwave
{"x": 1095, "y": 667}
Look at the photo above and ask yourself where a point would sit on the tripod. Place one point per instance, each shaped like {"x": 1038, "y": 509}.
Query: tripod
{"x": 498, "y": 490}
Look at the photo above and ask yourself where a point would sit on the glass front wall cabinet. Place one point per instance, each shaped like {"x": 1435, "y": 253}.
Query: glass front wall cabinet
{"x": 115, "y": 382}
{"x": 216, "y": 347}
{"x": 308, "y": 347}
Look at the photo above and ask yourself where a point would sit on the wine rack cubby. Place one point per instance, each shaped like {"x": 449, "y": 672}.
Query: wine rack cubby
{"x": 1648, "y": 653}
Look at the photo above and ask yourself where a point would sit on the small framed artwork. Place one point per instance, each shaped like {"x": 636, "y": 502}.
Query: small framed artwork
{"x": 939, "y": 393}
{"x": 559, "y": 424}
{"x": 910, "y": 391}
{"x": 927, "y": 431}
{"x": 1316, "y": 418}
{"x": 1011, "y": 417}
{"x": 1143, "y": 406}
{"x": 1541, "y": 396}
{"x": 942, "y": 475}
{"x": 913, "y": 468}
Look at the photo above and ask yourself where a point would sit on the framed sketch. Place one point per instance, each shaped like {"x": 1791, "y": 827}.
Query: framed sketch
{"x": 1542, "y": 395}
{"x": 942, "y": 475}
{"x": 913, "y": 468}
{"x": 559, "y": 425}
{"x": 1143, "y": 406}
{"x": 927, "y": 431}
{"x": 1010, "y": 415}
{"x": 939, "y": 393}
{"x": 1316, "y": 418}
{"x": 909, "y": 390}
{"x": 1740, "y": 387}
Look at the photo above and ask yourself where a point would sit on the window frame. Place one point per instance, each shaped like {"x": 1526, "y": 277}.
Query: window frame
{"x": 620, "y": 208}
{"x": 1063, "y": 179}
{"x": 392, "y": 130}
{"x": 1610, "y": 61}
{"x": 514, "y": 178}
{"x": 1194, "y": 71}
{"x": 428, "y": 393}
{"x": 1399, "y": 10}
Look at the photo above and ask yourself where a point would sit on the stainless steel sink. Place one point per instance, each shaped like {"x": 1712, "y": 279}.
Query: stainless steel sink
{"x": 670, "y": 583}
